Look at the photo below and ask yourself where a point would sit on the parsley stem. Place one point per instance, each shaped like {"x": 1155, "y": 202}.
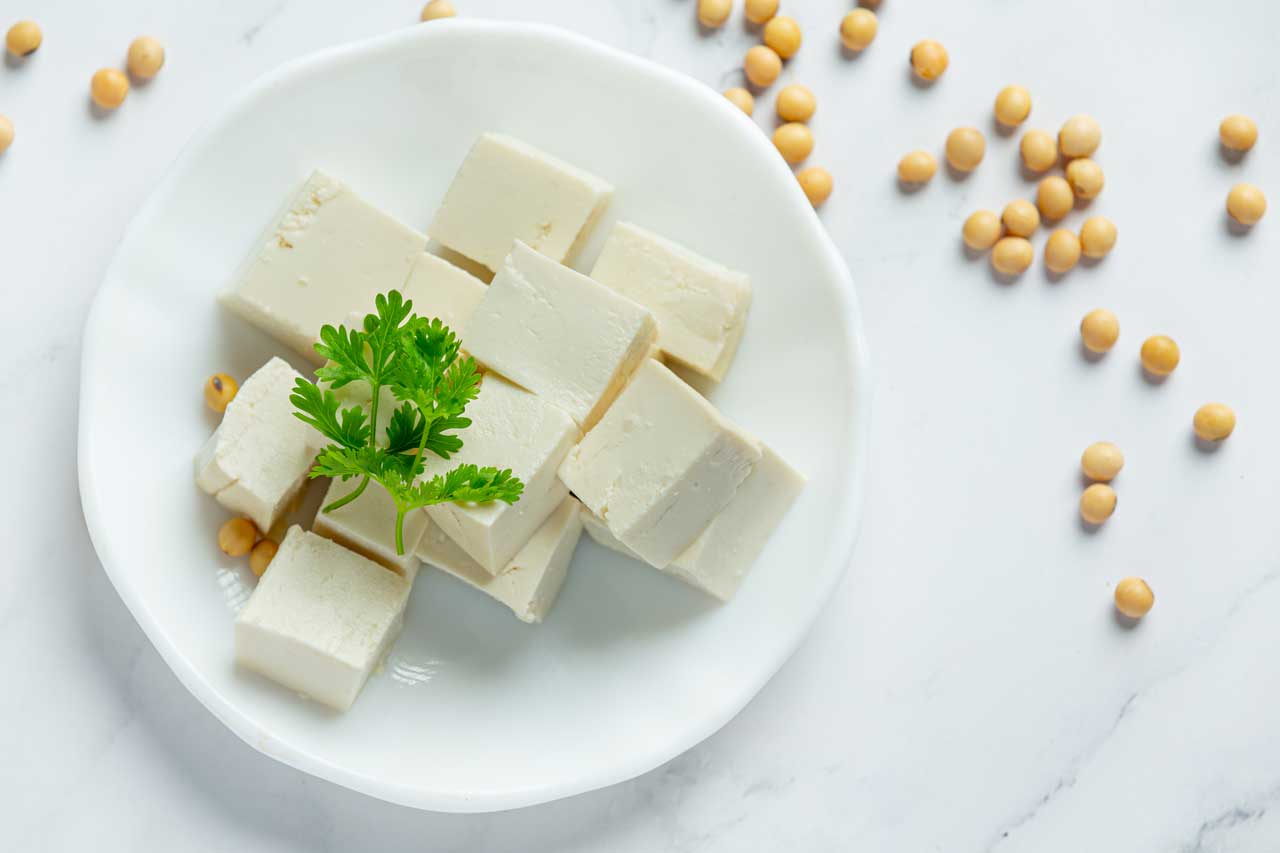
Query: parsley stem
{"x": 422, "y": 442}
{"x": 422, "y": 448}
{"x": 349, "y": 497}
{"x": 373, "y": 412}
{"x": 373, "y": 440}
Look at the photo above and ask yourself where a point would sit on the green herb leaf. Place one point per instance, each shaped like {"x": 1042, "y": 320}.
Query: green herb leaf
{"x": 348, "y": 462}
{"x": 440, "y": 442}
{"x": 354, "y": 355}
{"x": 405, "y": 429}
{"x": 348, "y": 427}
{"x": 383, "y": 332}
{"x": 427, "y": 349}
{"x": 344, "y": 350}
{"x": 458, "y": 387}
{"x": 404, "y": 432}
{"x": 468, "y": 484}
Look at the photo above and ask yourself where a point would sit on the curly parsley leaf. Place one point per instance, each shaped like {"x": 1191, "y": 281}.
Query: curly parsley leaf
{"x": 405, "y": 429}
{"x": 459, "y": 385}
{"x": 383, "y": 332}
{"x": 367, "y": 354}
{"x": 348, "y": 427}
{"x": 404, "y": 432}
{"x": 344, "y": 351}
{"x": 466, "y": 484}
{"x": 428, "y": 349}
{"x": 440, "y": 442}
{"x": 348, "y": 462}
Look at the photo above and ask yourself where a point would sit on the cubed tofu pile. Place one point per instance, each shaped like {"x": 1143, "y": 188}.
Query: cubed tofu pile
{"x": 576, "y": 399}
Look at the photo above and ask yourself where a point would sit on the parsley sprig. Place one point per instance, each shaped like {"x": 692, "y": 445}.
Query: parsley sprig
{"x": 417, "y": 359}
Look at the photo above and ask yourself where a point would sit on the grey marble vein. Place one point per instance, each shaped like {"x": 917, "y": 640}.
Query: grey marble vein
{"x": 251, "y": 33}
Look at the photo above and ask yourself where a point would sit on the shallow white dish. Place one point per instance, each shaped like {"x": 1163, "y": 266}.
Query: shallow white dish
{"x": 474, "y": 710}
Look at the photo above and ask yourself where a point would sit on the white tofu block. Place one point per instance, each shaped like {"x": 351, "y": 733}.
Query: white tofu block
{"x": 511, "y": 428}
{"x": 600, "y": 532}
{"x": 530, "y": 583}
{"x": 321, "y": 619}
{"x": 257, "y": 459}
{"x": 326, "y": 257}
{"x": 701, "y": 306}
{"x": 559, "y": 334}
{"x": 367, "y": 525}
{"x": 660, "y": 465}
{"x": 439, "y": 289}
{"x": 721, "y": 556}
{"x": 507, "y": 190}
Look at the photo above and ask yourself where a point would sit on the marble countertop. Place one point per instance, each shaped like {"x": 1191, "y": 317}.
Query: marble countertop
{"x": 968, "y": 688}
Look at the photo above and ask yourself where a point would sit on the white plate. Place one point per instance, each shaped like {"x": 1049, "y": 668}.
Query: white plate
{"x": 475, "y": 711}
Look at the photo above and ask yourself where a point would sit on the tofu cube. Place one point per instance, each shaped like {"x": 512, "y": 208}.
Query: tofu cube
{"x": 559, "y": 334}
{"x": 721, "y": 556}
{"x": 511, "y": 428}
{"x": 600, "y": 532}
{"x": 439, "y": 289}
{"x": 701, "y": 306}
{"x": 257, "y": 459}
{"x": 660, "y": 465}
{"x": 367, "y": 525}
{"x": 321, "y": 619}
{"x": 507, "y": 190}
{"x": 530, "y": 583}
{"x": 325, "y": 257}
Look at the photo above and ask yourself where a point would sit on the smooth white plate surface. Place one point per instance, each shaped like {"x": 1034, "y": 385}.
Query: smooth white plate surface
{"x": 474, "y": 710}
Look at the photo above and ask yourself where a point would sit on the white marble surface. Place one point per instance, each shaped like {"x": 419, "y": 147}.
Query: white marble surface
{"x": 968, "y": 688}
